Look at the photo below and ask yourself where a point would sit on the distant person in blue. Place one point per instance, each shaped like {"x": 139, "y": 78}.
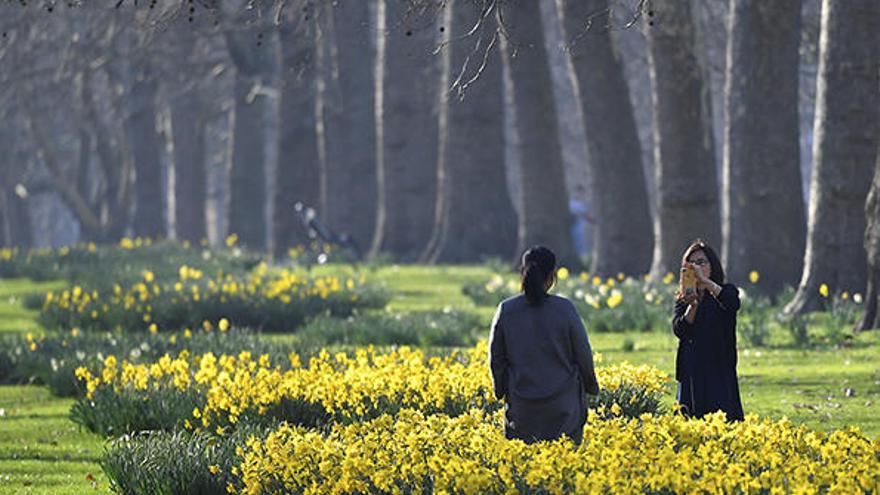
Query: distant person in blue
{"x": 540, "y": 358}
{"x": 705, "y": 324}
{"x": 577, "y": 205}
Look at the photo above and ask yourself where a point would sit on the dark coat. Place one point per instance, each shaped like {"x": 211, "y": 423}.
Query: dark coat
{"x": 705, "y": 365}
{"x": 542, "y": 365}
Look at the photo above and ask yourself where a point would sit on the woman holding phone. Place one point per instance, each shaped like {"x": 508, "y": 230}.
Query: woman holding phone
{"x": 705, "y": 324}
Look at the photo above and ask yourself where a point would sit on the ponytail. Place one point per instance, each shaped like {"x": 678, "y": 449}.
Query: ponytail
{"x": 538, "y": 267}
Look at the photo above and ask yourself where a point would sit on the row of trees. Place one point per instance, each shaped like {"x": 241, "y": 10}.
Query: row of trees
{"x": 403, "y": 121}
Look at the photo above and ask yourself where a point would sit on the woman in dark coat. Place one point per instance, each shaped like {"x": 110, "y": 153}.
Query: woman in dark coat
{"x": 540, "y": 358}
{"x": 705, "y": 324}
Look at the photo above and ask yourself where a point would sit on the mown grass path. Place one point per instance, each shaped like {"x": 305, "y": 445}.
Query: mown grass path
{"x": 42, "y": 452}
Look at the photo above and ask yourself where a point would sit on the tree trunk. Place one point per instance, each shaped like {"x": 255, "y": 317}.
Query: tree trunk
{"x": 871, "y": 317}
{"x": 545, "y": 218}
{"x": 297, "y": 175}
{"x": 613, "y": 142}
{"x": 764, "y": 220}
{"x": 5, "y": 223}
{"x": 247, "y": 196}
{"x": 143, "y": 140}
{"x": 407, "y": 130}
{"x": 350, "y": 122}
{"x": 474, "y": 214}
{"x": 687, "y": 189}
{"x": 15, "y": 222}
{"x": 846, "y": 132}
{"x": 6, "y": 238}
{"x": 190, "y": 179}
{"x": 22, "y": 228}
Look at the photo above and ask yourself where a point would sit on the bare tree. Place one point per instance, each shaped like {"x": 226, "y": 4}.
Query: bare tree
{"x": 69, "y": 129}
{"x": 687, "y": 188}
{"x": 189, "y": 118}
{"x": 474, "y": 214}
{"x": 349, "y": 176}
{"x": 763, "y": 201}
{"x": 144, "y": 144}
{"x": 15, "y": 222}
{"x": 844, "y": 151}
{"x": 253, "y": 63}
{"x": 407, "y": 128}
{"x": 545, "y": 218}
{"x": 299, "y": 165}
{"x": 612, "y": 140}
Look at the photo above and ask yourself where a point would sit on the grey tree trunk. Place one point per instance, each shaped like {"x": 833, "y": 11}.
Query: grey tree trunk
{"x": 350, "y": 171}
{"x": 474, "y": 213}
{"x": 299, "y": 166}
{"x": 190, "y": 179}
{"x": 407, "y": 127}
{"x": 847, "y": 127}
{"x": 613, "y": 143}
{"x": 15, "y": 222}
{"x": 687, "y": 189}
{"x": 111, "y": 215}
{"x": 545, "y": 218}
{"x": 247, "y": 195}
{"x": 6, "y": 238}
{"x": 144, "y": 143}
{"x": 21, "y": 226}
{"x": 764, "y": 221}
{"x": 871, "y": 317}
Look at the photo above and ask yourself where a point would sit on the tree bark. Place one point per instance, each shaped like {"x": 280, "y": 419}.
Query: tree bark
{"x": 190, "y": 179}
{"x": 350, "y": 171}
{"x": 407, "y": 130}
{"x": 687, "y": 190}
{"x": 247, "y": 196}
{"x": 297, "y": 175}
{"x": 6, "y": 239}
{"x": 474, "y": 213}
{"x": 846, "y": 130}
{"x": 15, "y": 221}
{"x": 545, "y": 218}
{"x": 763, "y": 201}
{"x": 871, "y": 317}
{"x": 143, "y": 140}
{"x": 6, "y": 226}
{"x": 612, "y": 140}
{"x": 22, "y": 228}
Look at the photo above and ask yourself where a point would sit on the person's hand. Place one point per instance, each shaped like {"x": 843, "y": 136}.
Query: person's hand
{"x": 703, "y": 281}
{"x": 691, "y": 299}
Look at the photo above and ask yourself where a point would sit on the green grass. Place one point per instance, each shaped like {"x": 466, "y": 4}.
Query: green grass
{"x": 42, "y": 452}
{"x": 13, "y": 317}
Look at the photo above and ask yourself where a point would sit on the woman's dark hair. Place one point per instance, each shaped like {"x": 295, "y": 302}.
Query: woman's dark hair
{"x": 717, "y": 274}
{"x": 538, "y": 266}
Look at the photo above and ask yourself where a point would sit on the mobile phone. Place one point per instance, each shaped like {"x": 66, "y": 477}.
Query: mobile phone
{"x": 689, "y": 280}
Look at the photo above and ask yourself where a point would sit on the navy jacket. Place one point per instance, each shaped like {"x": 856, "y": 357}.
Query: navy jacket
{"x": 705, "y": 364}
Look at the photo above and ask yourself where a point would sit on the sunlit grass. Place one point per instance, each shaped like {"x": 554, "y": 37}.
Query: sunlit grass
{"x": 13, "y": 317}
